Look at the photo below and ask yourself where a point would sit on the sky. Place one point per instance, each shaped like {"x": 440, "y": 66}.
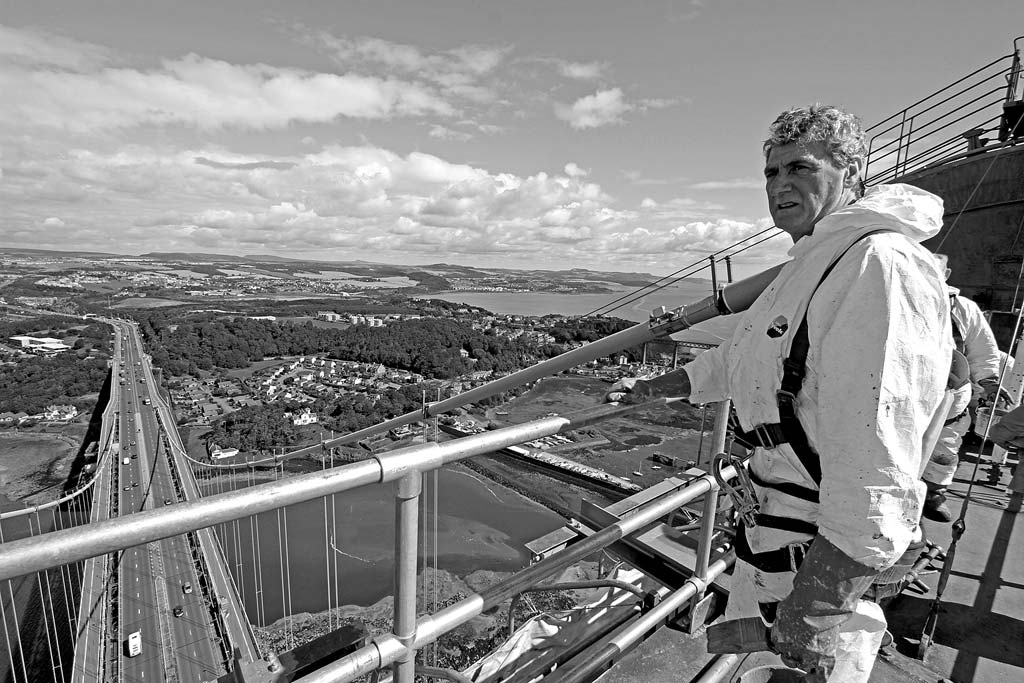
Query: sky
{"x": 548, "y": 134}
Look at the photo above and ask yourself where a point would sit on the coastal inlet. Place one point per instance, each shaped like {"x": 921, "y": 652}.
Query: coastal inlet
{"x": 480, "y": 525}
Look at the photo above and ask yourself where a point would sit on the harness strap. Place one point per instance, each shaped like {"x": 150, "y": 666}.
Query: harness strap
{"x": 799, "y": 526}
{"x": 789, "y": 488}
{"x": 788, "y": 429}
{"x": 958, "y": 337}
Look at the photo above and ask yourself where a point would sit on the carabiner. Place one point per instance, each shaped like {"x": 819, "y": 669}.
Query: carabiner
{"x": 744, "y": 497}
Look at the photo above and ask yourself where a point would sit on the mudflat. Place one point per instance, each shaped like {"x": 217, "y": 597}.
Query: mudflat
{"x": 34, "y": 466}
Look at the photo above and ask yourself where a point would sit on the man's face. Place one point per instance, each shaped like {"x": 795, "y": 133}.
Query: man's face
{"x": 804, "y": 186}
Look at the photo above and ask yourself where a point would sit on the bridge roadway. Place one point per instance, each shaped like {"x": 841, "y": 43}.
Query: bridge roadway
{"x": 159, "y": 590}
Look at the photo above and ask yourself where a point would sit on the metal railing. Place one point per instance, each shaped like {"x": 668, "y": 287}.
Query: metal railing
{"x": 947, "y": 123}
{"x": 405, "y": 469}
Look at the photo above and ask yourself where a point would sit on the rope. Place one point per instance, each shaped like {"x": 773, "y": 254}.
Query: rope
{"x": 959, "y": 526}
{"x": 1016, "y": 289}
{"x": 977, "y": 185}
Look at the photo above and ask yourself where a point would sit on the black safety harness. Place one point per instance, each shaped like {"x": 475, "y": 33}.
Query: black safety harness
{"x": 787, "y": 430}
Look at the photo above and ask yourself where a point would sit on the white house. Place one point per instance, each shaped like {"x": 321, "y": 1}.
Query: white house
{"x": 305, "y": 418}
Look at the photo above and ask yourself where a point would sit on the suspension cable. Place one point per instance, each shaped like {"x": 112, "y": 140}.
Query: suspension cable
{"x": 43, "y": 577}
{"x": 334, "y": 556}
{"x": 17, "y": 623}
{"x": 288, "y": 569}
{"x": 65, "y": 578}
{"x": 280, "y": 555}
{"x": 255, "y": 548}
{"x": 681, "y": 274}
{"x": 328, "y": 552}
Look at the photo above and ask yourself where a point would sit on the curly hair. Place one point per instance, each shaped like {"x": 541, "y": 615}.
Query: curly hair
{"x": 840, "y": 130}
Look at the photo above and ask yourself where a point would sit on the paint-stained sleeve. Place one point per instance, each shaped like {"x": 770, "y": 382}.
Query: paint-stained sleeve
{"x": 708, "y": 377}
{"x": 885, "y": 348}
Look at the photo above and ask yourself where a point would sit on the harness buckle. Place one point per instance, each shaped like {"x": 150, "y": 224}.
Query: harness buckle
{"x": 797, "y": 553}
{"x": 763, "y": 437}
{"x": 785, "y": 397}
{"x": 744, "y": 497}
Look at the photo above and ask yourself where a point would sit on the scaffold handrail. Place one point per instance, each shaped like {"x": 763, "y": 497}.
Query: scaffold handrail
{"x": 916, "y": 125}
{"x": 57, "y": 548}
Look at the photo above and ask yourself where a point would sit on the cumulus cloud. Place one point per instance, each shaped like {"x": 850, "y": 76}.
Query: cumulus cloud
{"x": 445, "y": 133}
{"x": 245, "y": 165}
{"x": 70, "y": 90}
{"x": 580, "y": 71}
{"x": 458, "y": 71}
{"x": 574, "y": 171}
{"x": 29, "y": 48}
{"x": 345, "y": 202}
{"x": 603, "y": 108}
{"x": 53, "y": 222}
{"x": 746, "y": 183}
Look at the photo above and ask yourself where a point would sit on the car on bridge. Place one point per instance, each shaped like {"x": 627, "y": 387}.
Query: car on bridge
{"x": 178, "y": 611}
{"x": 168, "y": 501}
{"x": 186, "y": 588}
{"x": 127, "y": 488}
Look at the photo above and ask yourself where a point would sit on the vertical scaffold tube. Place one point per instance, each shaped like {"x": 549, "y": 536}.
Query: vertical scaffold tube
{"x": 407, "y": 501}
{"x": 707, "y": 529}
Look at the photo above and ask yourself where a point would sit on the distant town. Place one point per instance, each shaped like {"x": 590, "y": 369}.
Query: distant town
{"x": 176, "y": 292}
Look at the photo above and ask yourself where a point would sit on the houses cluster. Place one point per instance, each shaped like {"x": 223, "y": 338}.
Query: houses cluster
{"x": 229, "y": 283}
{"x": 368, "y": 320}
{"x": 379, "y": 320}
{"x": 307, "y": 378}
{"x": 203, "y": 400}
{"x": 52, "y": 413}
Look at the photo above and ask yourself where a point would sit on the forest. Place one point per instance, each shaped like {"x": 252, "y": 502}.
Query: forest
{"x": 34, "y": 382}
{"x": 434, "y": 348}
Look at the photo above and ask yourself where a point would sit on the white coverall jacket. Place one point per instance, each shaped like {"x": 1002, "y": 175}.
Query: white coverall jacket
{"x": 983, "y": 359}
{"x": 880, "y": 351}
{"x": 979, "y": 342}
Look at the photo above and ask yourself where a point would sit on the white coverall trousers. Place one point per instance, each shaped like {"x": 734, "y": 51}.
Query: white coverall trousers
{"x": 942, "y": 465}
{"x": 859, "y": 637}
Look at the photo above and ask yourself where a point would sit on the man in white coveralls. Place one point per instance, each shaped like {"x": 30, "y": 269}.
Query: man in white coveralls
{"x": 972, "y": 337}
{"x": 842, "y": 429}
